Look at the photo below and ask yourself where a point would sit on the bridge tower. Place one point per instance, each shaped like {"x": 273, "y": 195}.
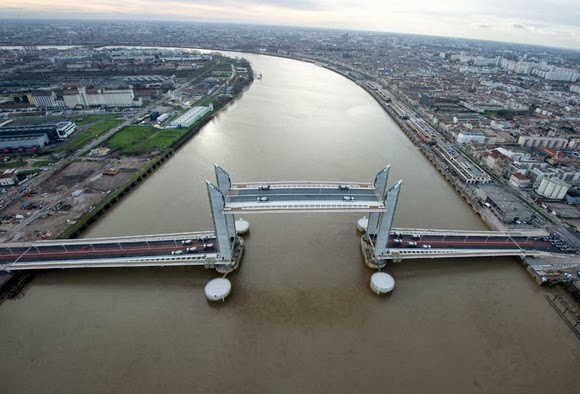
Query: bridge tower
{"x": 386, "y": 220}
{"x": 224, "y": 183}
{"x": 380, "y": 223}
{"x": 217, "y": 202}
{"x": 381, "y": 187}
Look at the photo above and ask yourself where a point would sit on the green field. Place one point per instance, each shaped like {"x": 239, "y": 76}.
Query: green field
{"x": 82, "y": 120}
{"x": 89, "y": 134}
{"x": 12, "y": 164}
{"x": 41, "y": 163}
{"x": 137, "y": 140}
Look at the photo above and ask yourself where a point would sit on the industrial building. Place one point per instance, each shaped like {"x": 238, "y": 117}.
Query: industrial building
{"x": 22, "y": 138}
{"x": 468, "y": 172}
{"x": 8, "y": 177}
{"x": 536, "y": 141}
{"x": 553, "y": 188}
{"x": 190, "y": 117}
{"x": 55, "y": 131}
{"x": 505, "y": 205}
{"x": 83, "y": 97}
{"x": 21, "y": 143}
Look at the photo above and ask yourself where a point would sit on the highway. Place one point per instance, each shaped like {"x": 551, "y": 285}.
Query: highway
{"x": 202, "y": 249}
{"x": 16, "y": 256}
{"x": 478, "y": 242}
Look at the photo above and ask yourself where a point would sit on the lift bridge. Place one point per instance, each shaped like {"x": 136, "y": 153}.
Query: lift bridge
{"x": 222, "y": 249}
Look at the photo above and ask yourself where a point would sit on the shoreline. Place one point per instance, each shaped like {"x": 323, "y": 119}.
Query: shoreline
{"x": 487, "y": 217}
{"x": 14, "y": 284}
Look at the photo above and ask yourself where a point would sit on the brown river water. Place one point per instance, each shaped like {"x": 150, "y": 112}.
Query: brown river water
{"x": 301, "y": 317}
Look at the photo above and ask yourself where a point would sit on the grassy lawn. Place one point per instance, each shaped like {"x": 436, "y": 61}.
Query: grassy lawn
{"x": 12, "y": 164}
{"x": 136, "y": 140}
{"x": 89, "y": 134}
{"x": 41, "y": 163}
{"x": 87, "y": 119}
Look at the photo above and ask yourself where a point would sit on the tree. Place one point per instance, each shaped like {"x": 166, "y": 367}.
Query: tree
{"x": 16, "y": 99}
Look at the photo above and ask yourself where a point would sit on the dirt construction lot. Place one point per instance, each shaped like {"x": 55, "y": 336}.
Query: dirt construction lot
{"x": 57, "y": 203}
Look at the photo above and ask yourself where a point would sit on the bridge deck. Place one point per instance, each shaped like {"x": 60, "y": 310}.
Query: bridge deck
{"x": 176, "y": 249}
{"x": 432, "y": 244}
{"x": 154, "y": 250}
{"x": 303, "y": 197}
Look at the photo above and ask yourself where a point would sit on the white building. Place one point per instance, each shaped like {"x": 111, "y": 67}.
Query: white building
{"x": 514, "y": 155}
{"x": 190, "y": 117}
{"x": 46, "y": 99}
{"x": 537, "y": 141}
{"x": 553, "y": 188}
{"x": 64, "y": 129}
{"x": 519, "y": 180}
{"x": 8, "y": 178}
{"x": 568, "y": 175}
{"x": 83, "y": 97}
{"x": 470, "y": 136}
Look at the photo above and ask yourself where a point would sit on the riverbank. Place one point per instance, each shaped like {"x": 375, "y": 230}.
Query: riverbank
{"x": 67, "y": 203}
{"x": 559, "y": 276}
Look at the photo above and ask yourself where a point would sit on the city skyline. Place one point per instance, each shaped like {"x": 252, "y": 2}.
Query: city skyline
{"x": 531, "y": 22}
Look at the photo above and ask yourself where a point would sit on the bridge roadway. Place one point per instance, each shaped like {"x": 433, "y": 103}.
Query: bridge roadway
{"x": 420, "y": 243}
{"x": 131, "y": 251}
{"x": 303, "y": 197}
{"x": 157, "y": 250}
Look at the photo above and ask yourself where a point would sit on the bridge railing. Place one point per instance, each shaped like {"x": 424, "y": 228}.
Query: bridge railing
{"x": 123, "y": 239}
{"x": 306, "y": 207}
{"x": 200, "y": 259}
{"x": 302, "y": 185}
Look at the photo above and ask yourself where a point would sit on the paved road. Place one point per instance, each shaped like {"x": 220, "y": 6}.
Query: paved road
{"x": 276, "y": 195}
{"x": 480, "y": 242}
{"x": 99, "y": 250}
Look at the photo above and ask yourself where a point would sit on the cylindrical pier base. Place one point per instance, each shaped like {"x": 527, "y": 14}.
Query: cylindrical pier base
{"x": 242, "y": 226}
{"x": 218, "y": 289}
{"x": 362, "y": 224}
{"x": 382, "y": 283}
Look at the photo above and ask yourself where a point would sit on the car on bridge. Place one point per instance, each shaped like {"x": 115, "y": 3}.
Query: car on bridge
{"x": 343, "y": 187}
{"x": 264, "y": 187}
{"x": 262, "y": 199}
{"x": 348, "y": 198}
{"x": 426, "y": 246}
{"x": 174, "y": 252}
{"x": 412, "y": 244}
{"x": 186, "y": 242}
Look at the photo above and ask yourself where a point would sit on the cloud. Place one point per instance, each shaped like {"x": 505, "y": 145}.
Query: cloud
{"x": 527, "y": 21}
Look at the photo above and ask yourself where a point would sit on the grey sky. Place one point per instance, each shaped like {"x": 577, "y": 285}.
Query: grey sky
{"x": 543, "y": 22}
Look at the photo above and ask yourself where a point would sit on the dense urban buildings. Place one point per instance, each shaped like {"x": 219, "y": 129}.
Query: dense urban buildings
{"x": 502, "y": 115}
